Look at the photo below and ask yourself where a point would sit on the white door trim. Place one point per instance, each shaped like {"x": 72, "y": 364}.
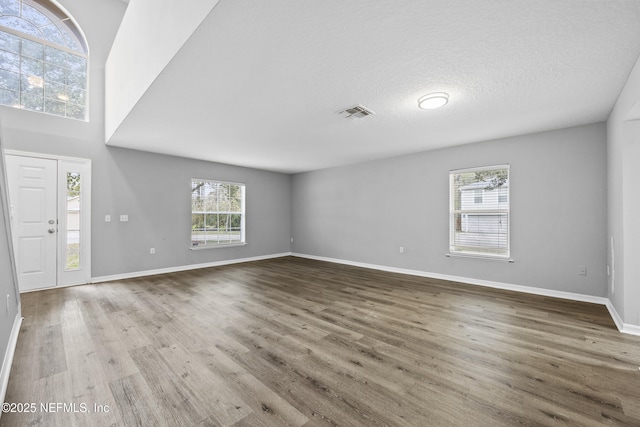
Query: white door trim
{"x": 10, "y": 152}
{"x": 84, "y": 275}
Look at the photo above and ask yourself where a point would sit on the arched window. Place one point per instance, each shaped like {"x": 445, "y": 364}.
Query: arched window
{"x": 43, "y": 59}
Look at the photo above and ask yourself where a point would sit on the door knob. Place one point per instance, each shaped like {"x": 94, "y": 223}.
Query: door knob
{"x": 51, "y": 230}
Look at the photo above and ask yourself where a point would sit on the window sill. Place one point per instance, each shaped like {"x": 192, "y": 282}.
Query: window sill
{"x": 228, "y": 245}
{"x": 480, "y": 257}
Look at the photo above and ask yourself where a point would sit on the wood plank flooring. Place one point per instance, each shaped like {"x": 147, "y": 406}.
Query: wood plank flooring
{"x": 295, "y": 342}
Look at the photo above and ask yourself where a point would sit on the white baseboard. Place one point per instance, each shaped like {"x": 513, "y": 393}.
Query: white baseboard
{"x": 631, "y": 329}
{"x": 622, "y": 327}
{"x": 135, "y": 274}
{"x": 8, "y": 358}
{"x": 615, "y": 316}
{"x": 468, "y": 280}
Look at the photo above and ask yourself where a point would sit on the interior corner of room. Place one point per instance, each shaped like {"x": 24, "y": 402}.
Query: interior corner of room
{"x": 261, "y": 130}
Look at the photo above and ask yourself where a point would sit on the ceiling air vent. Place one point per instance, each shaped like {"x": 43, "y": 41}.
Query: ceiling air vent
{"x": 355, "y": 112}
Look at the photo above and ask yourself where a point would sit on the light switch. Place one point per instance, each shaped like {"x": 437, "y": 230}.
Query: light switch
{"x": 107, "y": 218}
{"x": 124, "y": 218}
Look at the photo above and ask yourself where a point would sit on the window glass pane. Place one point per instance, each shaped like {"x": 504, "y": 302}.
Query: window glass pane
{"x": 477, "y": 197}
{"x": 54, "y": 73}
{"x": 197, "y": 229}
{"x": 9, "y": 61}
{"x": 53, "y": 34}
{"x": 224, "y": 204}
{"x": 9, "y": 42}
{"x": 9, "y": 97}
{"x": 73, "y": 260}
{"x": 54, "y": 90}
{"x": 32, "y": 67}
{"x": 224, "y": 223}
{"x": 32, "y": 97}
{"x": 480, "y": 211}
{"x": 32, "y": 49}
{"x": 235, "y": 230}
{"x": 21, "y": 25}
{"x": 197, "y": 201}
{"x": 69, "y": 41}
{"x": 33, "y": 16}
{"x": 210, "y": 197}
{"x": 55, "y": 56}
{"x": 235, "y": 203}
{"x": 74, "y": 95}
{"x": 77, "y": 79}
{"x": 38, "y": 63}
{"x": 10, "y": 7}
{"x": 76, "y": 111}
{"x": 76, "y": 63}
{"x": 216, "y": 213}
{"x": 52, "y": 106}
{"x": 212, "y": 229}
{"x": 9, "y": 80}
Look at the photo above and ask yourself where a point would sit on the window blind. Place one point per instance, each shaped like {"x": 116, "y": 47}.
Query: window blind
{"x": 479, "y": 211}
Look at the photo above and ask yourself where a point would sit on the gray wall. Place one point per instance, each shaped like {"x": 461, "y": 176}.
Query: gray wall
{"x": 154, "y": 190}
{"x": 623, "y": 143}
{"x": 365, "y": 212}
{"x": 7, "y": 279}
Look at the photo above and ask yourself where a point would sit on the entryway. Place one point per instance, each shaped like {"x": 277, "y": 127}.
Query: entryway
{"x": 50, "y": 209}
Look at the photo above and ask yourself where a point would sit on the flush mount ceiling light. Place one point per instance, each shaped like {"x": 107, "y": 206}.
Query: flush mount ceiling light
{"x": 433, "y": 100}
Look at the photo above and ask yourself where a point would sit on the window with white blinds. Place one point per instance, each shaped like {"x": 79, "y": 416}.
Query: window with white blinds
{"x": 217, "y": 213}
{"x": 479, "y": 212}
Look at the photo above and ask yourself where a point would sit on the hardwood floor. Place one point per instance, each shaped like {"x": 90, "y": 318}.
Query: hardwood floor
{"x": 297, "y": 342}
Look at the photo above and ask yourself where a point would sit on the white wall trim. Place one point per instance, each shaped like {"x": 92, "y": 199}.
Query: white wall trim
{"x": 468, "y": 280}
{"x": 135, "y": 274}
{"x": 8, "y": 358}
{"x": 11, "y": 152}
{"x": 622, "y": 327}
{"x": 630, "y": 329}
{"x": 614, "y": 315}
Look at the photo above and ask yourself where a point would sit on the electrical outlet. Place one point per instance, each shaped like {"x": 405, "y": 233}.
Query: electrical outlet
{"x": 582, "y": 270}
{"x": 401, "y": 249}
{"x": 107, "y": 218}
{"x": 152, "y": 251}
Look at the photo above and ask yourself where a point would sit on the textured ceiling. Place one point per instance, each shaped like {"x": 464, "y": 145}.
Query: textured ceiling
{"x": 259, "y": 83}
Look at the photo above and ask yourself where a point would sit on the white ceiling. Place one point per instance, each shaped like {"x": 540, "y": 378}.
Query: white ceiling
{"x": 259, "y": 83}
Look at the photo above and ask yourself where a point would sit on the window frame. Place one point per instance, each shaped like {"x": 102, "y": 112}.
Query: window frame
{"x": 55, "y": 14}
{"x": 454, "y": 249}
{"x": 243, "y": 240}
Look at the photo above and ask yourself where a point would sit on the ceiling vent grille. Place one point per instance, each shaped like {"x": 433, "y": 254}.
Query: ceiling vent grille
{"x": 355, "y": 112}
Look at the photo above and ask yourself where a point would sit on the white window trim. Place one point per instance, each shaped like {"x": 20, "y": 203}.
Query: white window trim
{"x": 220, "y": 246}
{"x": 474, "y": 255}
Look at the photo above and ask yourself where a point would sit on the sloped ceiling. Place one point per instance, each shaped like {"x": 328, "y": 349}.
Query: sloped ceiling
{"x": 259, "y": 83}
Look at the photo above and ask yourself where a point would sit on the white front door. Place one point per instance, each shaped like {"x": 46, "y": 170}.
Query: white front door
{"x": 50, "y": 208}
{"x": 33, "y": 204}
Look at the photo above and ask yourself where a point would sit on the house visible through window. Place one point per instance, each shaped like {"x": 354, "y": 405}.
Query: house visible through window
{"x": 477, "y": 196}
{"x": 217, "y": 213}
{"x": 43, "y": 59}
{"x": 479, "y": 212}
